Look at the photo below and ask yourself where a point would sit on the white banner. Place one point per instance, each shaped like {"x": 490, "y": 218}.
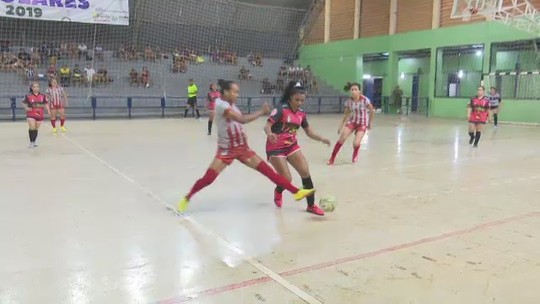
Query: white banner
{"x": 85, "y": 11}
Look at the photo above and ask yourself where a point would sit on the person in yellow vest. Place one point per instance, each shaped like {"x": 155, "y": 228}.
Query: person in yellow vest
{"x": 65, "y": 75}
{"x": 192, "y": 99}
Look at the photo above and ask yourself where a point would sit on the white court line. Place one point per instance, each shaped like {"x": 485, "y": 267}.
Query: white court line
{"x": 258, "y": 265}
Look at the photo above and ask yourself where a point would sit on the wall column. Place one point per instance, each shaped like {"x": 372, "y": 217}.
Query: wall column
{"x": 436, "y": 15}
{"x": 393, "y": 17}
{"x": 487, "y": 64}
{"x": 392, "y": 74}
{"x": 357, "y": 11}
{"x": 433, "y": 71}
{"x": 327, "y": 11}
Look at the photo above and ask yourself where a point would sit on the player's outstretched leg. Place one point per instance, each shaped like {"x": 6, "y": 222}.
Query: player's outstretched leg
{"x": 215, "y": 168}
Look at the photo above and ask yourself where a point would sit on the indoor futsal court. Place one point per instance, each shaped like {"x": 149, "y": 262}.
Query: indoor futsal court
{"x": 421, "y": 218}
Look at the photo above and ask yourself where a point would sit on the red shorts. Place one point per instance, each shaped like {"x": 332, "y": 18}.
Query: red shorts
{"x": 211, "y": 106}
{"x": 35, "y": 114}
{"x": 356, "y": 127}
{"x": 57, "y": 107}
{"x": 282, "y": 152}
{"x": 242, "y": 153}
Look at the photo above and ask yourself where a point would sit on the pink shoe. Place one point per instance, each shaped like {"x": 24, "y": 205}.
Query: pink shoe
{"x": 278, "y": 199}
{"x": 315, "y": 210}
{"x": 355, "y": 159}
{"x": 330, "y": 162}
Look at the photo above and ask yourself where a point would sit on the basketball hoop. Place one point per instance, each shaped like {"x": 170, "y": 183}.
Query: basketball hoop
{"x": 468, "y": 13}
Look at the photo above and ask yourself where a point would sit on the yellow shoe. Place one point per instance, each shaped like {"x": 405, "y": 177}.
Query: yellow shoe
{"x": 54, "y": 130}
{"x": 303, "y": 193}
{"x": 63, "y": 129}
{"x": 182, "y": 205}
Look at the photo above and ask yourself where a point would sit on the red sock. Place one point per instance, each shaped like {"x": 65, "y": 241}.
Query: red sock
{"x": 53, "y": 123}
{"x": 355, "y": 153}
{"x": 62, "y": 121}
{"x": 336, "y": 150}
{"x": 279, "y": 180}
{"x": 208, "y": 178}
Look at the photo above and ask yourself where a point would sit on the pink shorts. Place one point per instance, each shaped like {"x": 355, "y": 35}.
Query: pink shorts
{"x": 211, "y": 106}
{"x": 242, "y": 153}
{"x": 57, "y": 107}
{"x": 356, "y": 127}
{"x": 283, "y": 152}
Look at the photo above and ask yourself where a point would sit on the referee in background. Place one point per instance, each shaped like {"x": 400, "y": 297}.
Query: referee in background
{"x": 192, "y": 99}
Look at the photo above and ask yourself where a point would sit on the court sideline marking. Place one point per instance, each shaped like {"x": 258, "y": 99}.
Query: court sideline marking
{"x": 258, "y": 265}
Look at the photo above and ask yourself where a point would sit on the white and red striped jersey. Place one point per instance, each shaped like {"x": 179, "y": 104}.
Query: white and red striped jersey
{"x": 359, "y": 110}
{"x": 55, "y": 96}
{"x": 230, "y": 133}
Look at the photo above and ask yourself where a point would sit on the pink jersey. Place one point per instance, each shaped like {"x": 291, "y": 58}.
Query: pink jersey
{"x": 230, "y": 133}
{"x": 479, "y": 110}
{"x": 56, "y": 96}
{"x": 359, "y": 110}
{"x": 211, "y": 98}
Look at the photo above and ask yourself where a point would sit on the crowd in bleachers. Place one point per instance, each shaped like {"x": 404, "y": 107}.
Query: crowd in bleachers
{"x": 62, "y": 61}
{"x": 291, "y": 72}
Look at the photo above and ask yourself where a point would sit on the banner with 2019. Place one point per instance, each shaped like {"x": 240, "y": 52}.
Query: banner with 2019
{"x": 86, "y": 11}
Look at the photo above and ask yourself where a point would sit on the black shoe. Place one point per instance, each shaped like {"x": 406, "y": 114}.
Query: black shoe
{"x": 471, "y": 140}
{"x": 475, "y": 146}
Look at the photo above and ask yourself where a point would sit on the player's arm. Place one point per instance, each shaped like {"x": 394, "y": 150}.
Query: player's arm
{"x": 275, "y": 116}
{"x": 469, "y": 108}
{"x": 371, "y": 114}
{"x": 46, "y": 101}
{"x": 65, "y": 98}
{"x": 311, "y": 134}
{"x": 346, "y": 114}
{"x": 244, "y": 119}
{"x": 26, "y": 104}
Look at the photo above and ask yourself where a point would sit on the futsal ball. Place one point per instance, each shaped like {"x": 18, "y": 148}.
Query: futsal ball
{"x": 328, "y": 203}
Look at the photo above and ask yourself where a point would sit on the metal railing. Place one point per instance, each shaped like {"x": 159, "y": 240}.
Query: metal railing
{"x": 98, "y": 107}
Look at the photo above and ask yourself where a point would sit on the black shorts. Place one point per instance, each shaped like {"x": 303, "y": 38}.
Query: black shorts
{"x": 192, "y": 101}
{"x": 493, "y": 107}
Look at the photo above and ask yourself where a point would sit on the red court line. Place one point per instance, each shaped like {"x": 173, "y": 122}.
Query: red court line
{"x": 265, "y": 279}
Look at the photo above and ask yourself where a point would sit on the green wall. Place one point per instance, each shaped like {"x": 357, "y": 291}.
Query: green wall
{"x": 341, "y": 61}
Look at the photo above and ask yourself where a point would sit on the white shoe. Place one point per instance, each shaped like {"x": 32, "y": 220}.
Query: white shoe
{"x": 31, "y": 145}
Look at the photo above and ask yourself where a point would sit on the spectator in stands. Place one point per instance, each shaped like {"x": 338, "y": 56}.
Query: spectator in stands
{"x": 23, "y": 56}
{"x": 65, "y": 75}
{"x": 244, "y": 74}
{"x": 83, "y": 50}
{"x": 98, "y": 52}
{"x": 31, "y": 73}
{"x": 251, "y": 58}
{"x": 64, "y": 50}
{"x": 35, "y": 58}
{"x": 133, "y": 78}
{"x": 89, "y": 74}
{"x": 145, "y": 77}
{"x": 77, "y": 75}
{"x": 149, "y": 53}
{"x": 101, "y": 76}
{"x": 258, "y": 60}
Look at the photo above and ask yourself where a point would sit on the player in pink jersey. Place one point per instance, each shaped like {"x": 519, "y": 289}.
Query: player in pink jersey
{"x": 34, "y": 103}
{"x": 232, "y": 144}
{"x": 478, "y": 113}
{"x": 213, "y": 94}
{"x": 282, "y": 146}
{"x": 358, "y": 117}
{"x": 58, "y": 102}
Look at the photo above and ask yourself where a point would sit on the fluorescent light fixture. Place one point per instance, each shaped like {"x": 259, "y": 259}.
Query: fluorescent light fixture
{"x": 385, "y": 54}
{"x": 402, "y": 75}
{"x": 460, "y": 74}
{"x": 478, "y": 53}
{"x": 366, "y": 76}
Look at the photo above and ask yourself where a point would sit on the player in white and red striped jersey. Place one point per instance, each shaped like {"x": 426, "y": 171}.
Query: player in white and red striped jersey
{"x": 358, "y": 117}
{"x": 232, "y": 144}
{"x": 58, "y": 101}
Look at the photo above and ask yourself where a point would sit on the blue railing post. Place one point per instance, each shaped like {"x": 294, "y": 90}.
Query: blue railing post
{"x": 94, "y": 106}
{"x": 13, "y": 108}
{"x": 319, "y": 102}
{"x": 274, "y": 101}
{"x": 249, "y": 105}
{"x": 129, "y": 105}
{"x": 340, "y": 104}
{"x": 163, "y": 102}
